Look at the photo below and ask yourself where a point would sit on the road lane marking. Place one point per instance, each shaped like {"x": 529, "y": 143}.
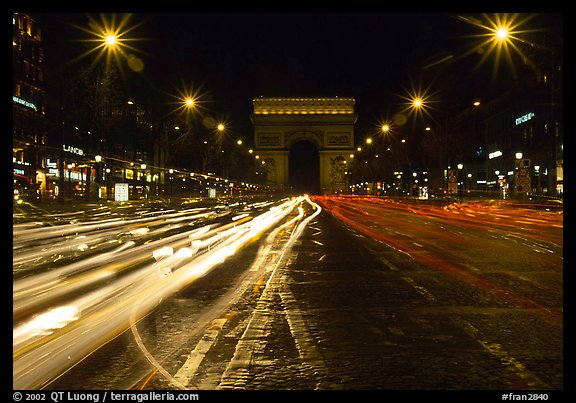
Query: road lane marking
{"x": 196, "y": 356}
{"x": 303, "y": 339}
{"x": 388, "y": 263}
{"x": 516, "y": 367}
{"x": 421, "y": 290}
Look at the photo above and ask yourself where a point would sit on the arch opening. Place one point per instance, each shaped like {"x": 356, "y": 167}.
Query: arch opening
{"x": 304, "y": 167}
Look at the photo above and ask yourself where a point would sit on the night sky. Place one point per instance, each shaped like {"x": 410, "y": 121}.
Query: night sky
{"x": 231, "y": 58}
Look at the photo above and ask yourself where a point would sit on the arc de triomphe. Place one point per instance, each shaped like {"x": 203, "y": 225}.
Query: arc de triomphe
{"x": 325, "y": 124}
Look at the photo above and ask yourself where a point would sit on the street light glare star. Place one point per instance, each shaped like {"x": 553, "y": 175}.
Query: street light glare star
{"x": 417, "y": 101}
{"x": 110, "y": 36}
{"x": 502, "y": 33}
{"x": 110, "y": 39}
{"x": 501, "y": 38}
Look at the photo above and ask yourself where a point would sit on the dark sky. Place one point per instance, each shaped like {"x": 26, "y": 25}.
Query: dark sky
{"x": 365, "y": 56}
{"x": 234, "y": 57}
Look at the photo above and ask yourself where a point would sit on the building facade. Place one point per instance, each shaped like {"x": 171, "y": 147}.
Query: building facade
{"x": 523, "y": 143}
{"x": 28, "y": 107}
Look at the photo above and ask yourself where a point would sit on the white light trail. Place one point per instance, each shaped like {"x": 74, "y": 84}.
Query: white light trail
{"x": 165, "y": 265}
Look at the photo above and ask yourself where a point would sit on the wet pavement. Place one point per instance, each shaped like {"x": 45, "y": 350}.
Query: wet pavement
{"x": 347, "y": 313}
{"x": 339, "y": 311}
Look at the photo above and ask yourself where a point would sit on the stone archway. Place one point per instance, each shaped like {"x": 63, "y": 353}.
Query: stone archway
{"x": 325, "y": 123}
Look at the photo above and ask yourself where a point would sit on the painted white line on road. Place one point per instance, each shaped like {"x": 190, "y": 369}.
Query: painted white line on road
{"x": 421, "y": 290}
{"x": 532, "y": 382}
{"x": 303, "y": 339}
{"x": 388, "y": 263}
{"x": 188, "y": 370}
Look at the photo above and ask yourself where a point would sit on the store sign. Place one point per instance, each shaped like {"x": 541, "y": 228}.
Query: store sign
{"x": 524, "y": 118}
{"x": 495, "y": 154}
{"x": 73, "y": 150}
{"x": 24, "y": 102}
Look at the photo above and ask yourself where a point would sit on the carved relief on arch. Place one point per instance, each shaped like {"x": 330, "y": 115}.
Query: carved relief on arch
{"x": 338, "y": 169}
{"x": 314, "y": 137}
{"x": 269, "y": 170}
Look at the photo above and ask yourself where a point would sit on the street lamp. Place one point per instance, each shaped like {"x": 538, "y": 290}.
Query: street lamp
{"x": 538, "y": 182}
{"x": 143, "y": 176}
{"x": 71, "y": 188}
{"x": 108, "y": 191}
{"x": 98, "y": 178}
{"x": 460, "y": 181}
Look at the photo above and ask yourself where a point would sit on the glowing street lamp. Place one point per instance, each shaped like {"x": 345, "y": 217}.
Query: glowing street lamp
{"x": 189, "y": 102}
{"x": 111, "y": 39}
{"x": 460, "y": 183}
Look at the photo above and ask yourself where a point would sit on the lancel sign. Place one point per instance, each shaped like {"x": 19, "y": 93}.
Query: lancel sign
{"x": 73, "y": 150}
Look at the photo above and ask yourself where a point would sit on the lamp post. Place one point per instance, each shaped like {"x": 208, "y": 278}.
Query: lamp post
{"x": 143, "y": 176}
{"x": 98, "y": 175}
{"x": 537, "y": 175}
{"x": 460, "y": 181}
{"x": 108, "y": 191}
{"x": 71, "y": 188}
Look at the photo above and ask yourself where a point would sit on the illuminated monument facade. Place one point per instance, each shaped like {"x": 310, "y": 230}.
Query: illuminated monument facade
{"x": 323, "y": 125}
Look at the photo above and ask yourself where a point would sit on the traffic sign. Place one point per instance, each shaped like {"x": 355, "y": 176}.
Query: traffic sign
{"x": 523, "y": 180}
